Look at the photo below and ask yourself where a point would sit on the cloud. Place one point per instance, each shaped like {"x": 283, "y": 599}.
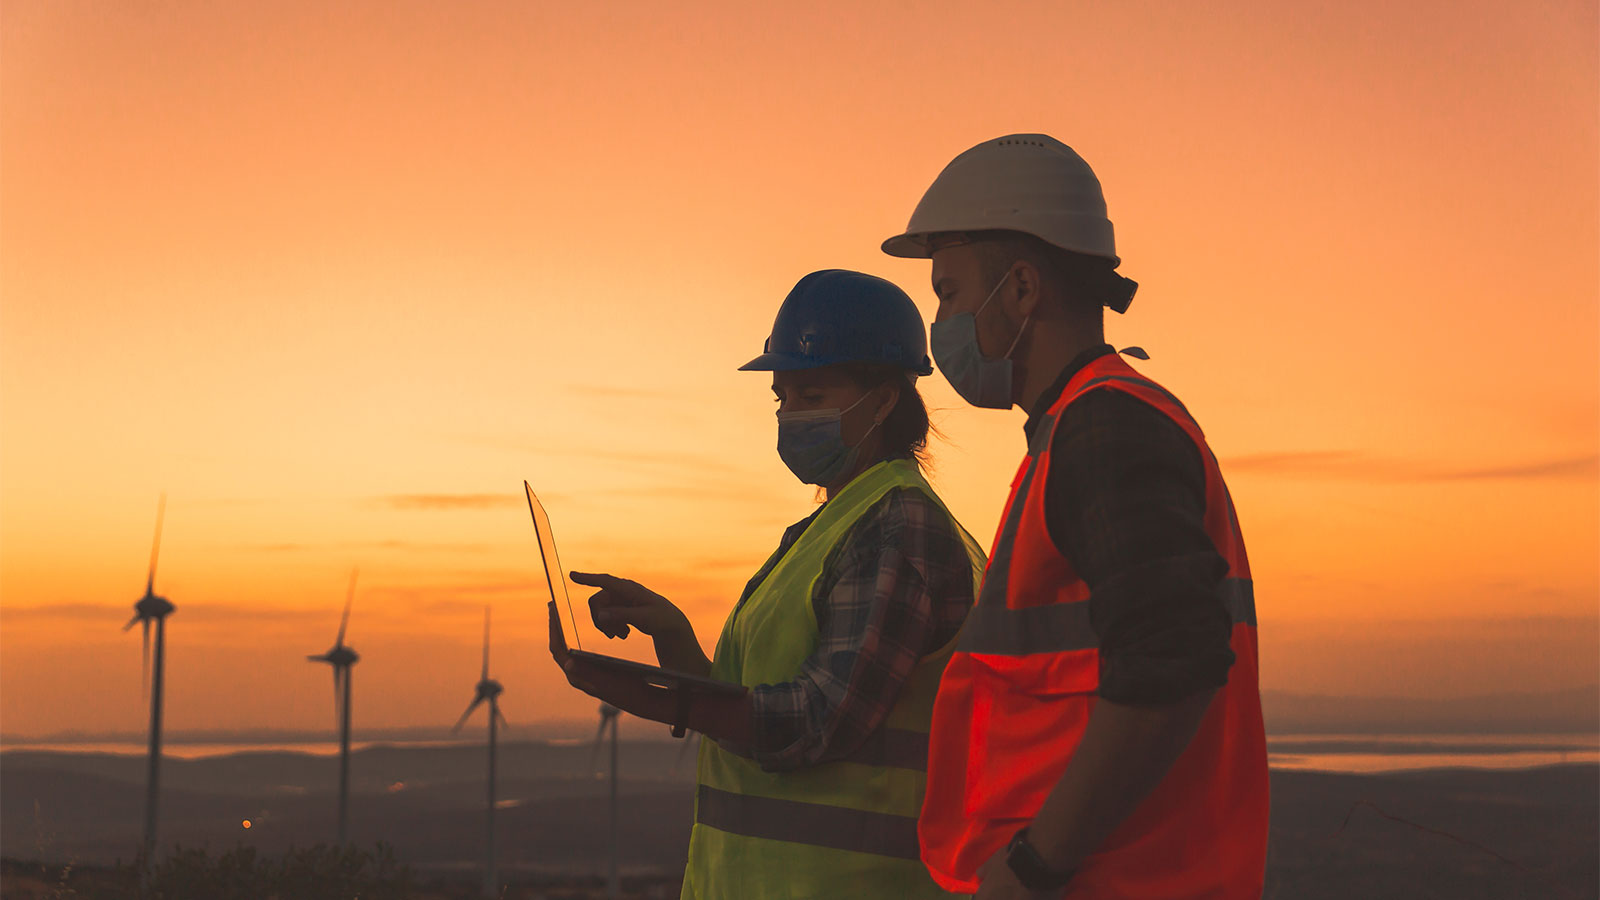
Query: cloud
{"x": 73, "y": 611}
{"x": 423, "y": 594}
{"x": 1356, "y": 466}
{"x": 448, "y": 501}
{"x": 690, "y": 463}
{"x": 1577, "y": 467}
{"x": 391, "y": 544}
{"x": 192, "y": 612}
{"x": 211, "y": 612}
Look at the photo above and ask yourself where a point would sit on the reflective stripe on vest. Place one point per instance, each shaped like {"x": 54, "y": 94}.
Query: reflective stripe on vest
{"x": 814, "y": 824}
{"x": 996, "y": 630}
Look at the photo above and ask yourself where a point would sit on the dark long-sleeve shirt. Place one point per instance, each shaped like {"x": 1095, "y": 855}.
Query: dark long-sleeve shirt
{"x": 1125, "y": 502}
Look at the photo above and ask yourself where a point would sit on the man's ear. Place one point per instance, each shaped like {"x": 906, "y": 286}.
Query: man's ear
{"x": 1025, "y": 286}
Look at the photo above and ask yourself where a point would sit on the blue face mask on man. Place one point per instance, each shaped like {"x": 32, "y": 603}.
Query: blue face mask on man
{"x": 979, "y": 380}
{"x": 812, "y": 445}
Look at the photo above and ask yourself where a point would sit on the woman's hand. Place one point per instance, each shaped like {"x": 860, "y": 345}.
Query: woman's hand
{"x": 621, "y": 605}
{"x": 558, "y": 652}
{"x": 626, "y": 692}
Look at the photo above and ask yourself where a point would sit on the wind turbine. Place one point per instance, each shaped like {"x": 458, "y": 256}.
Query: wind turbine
{"x": 342, "y": 658}
{"x": 608, "y": 717}
{"x": 153, "y": 608}
{"x": 488, "y": 689}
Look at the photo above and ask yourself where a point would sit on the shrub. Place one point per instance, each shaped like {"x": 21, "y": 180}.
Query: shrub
{"x": 320, "y": 872}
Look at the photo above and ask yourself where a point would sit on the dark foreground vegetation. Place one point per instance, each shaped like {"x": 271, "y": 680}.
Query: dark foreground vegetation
{"x": 321, "y": 872}
{"x": 1449, "y": 834}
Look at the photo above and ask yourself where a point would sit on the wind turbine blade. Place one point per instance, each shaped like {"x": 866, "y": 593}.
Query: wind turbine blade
{"x": 337, "y": 703}
{"x": 144, "y": 666}
{"x": 470, "y": 707}
{"x": 502, "y": 717}
{"x": 348, "y": 599}
{"x": 486, "y": 642}
{"x": 317, "y": 658}
{"x": 155, "y": 549}
{"x": 131, "y": 622}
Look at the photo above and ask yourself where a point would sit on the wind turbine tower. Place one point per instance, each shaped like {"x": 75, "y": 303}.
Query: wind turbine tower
{"x": 152, "y": 608}
{"x": 342, "y": 658}
{"x": 488, "y": 689}
{"x": 608, "y": 718}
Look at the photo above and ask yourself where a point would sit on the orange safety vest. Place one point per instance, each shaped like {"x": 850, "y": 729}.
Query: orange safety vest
{"x": 1015, "y": 698}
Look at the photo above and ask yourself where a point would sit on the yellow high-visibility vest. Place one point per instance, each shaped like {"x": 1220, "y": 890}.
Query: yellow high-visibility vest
{"x": 844, "y": 828}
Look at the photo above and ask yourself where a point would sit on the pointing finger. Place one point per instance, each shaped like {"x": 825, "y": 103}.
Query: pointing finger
{"x": 595, "y": 579}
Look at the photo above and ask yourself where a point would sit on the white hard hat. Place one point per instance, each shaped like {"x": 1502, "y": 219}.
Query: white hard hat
{"x": 1030, "y": 183}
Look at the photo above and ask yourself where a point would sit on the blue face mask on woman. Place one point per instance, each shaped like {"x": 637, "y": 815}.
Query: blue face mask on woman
{"x": 979, "y": 380}
{"x": 812, "y": 445}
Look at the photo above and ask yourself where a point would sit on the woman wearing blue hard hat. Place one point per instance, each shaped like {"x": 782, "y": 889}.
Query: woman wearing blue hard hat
{"x": 812, "y": 781}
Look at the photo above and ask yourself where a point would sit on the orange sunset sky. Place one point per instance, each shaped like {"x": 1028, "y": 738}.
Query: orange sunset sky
{"x": 338, "y": 276}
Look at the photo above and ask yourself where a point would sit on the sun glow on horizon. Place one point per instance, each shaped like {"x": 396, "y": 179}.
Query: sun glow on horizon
{"x": 340, "y": 278}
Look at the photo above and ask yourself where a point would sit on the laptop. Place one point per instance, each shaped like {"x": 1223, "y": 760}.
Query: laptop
{"x": 655, "y": 675}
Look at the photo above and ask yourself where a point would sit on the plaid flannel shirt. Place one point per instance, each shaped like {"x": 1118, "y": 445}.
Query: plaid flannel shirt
{"x": 895, "y": 589}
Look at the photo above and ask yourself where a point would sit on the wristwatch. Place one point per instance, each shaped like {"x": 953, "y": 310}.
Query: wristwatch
{"x": 1031, "y": 869}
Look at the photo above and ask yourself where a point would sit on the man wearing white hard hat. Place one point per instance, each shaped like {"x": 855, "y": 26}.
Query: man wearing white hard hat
{"x": 1098, "y": 731}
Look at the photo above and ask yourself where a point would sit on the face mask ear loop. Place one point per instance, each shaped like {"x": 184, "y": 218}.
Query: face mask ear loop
{"x": 1025, "y": 319}
{"x": 995, "y": 290}
{"x": 1018, "y": 339}
{"x": 875, "y": 423}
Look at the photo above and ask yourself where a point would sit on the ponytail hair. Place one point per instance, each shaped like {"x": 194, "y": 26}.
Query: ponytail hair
{"x": 905, "y": 430}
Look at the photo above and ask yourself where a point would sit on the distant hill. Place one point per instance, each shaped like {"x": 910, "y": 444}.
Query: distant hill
{"x": 1566, "y": 712}
{"x": 381, "y": 769}
{"x": 1570, "y": 711}
{"x": 581, "y": 730}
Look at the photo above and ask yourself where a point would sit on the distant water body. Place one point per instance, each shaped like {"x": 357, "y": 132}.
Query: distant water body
{"x": 1349, "y": 753}
{"x": 1375, "y": 753}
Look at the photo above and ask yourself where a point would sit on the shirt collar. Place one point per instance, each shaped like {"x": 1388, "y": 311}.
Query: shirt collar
{"x": 1053, "y": 392}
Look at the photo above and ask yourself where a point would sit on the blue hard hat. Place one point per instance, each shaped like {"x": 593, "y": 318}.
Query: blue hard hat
{"x": 837, "y": 316}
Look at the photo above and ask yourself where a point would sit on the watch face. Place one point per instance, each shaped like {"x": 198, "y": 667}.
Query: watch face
{"x": 1030, "y": 868}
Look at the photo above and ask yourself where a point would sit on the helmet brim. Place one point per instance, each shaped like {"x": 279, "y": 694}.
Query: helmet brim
{"x": 908, "y": 246}
{"x": 790, "y": 362}
{"x": 781, "y": 362}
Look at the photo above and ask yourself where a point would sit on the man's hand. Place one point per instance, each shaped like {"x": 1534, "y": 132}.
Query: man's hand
{"x": 996, "y": 881}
